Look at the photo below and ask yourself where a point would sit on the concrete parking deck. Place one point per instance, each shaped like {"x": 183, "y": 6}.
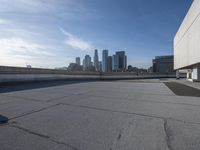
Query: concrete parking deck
{"x": 124, "y": 115}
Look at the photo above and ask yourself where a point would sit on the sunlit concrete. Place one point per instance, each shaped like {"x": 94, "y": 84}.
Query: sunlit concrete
{"x": 123, "y": 115}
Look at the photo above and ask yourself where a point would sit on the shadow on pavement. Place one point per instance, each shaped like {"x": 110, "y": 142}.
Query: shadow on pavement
{"x": 12, "y": 87}
{"x": 3, "y": 119}
{"x": 183, "y": 90}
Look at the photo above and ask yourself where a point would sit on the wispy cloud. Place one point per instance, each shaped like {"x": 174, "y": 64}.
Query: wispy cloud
{"x": 76, "y": 43}
{"x": 21, "y": 47}
{"x": 16, "y": 51}
{"x": 37, "y": 6}
{"x": 3, "y": 21}
{"x": 24, "y": 5}
{"x": 64, "y": 9}
{"x": 26, "y": 31}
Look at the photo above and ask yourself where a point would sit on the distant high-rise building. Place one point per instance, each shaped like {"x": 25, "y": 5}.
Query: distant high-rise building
{"x": 100, "y": 66}
{"x": 87, "y": 63}
{"x": 83, "y": 64}
{"x": 105, "y": 60}
{"x": 75, "y": 67}
{"x": 96, "y": 60}
{"x": 122, "y": 60}
{"x": 163, "y": 64}
{"x": 109, "y": 63}
{"x": 125, "y": 62}
{"x": 115, "y": 63}
{"x": 78, "y": 60}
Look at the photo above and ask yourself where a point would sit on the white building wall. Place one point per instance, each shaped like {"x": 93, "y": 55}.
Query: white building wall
{"x": 187, "y": 39}
{"x": 196, "y": 73}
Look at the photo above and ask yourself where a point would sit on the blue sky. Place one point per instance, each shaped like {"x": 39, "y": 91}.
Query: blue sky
{"x": 51, "y": 33}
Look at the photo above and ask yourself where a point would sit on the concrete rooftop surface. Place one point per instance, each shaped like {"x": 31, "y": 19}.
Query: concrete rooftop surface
{"x": 118, "y": 115}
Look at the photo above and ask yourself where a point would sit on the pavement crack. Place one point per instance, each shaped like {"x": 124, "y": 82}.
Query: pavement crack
{"x": 32, "y": 112}
{"x": 109, "y": 110}
{"x": 168, "y": 135}
{"x": 124, "y": 135}
{"x": 147, "y": 101}
{"x": 119, "y": 136}
{"x": 30, "y": 132}
{"x": 43, "y": 136}
{"x": 65, "y": 144}
{"x": 130, "y": 113}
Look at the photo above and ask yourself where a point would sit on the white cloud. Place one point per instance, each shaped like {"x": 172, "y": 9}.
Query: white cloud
{"x": 34, "y": 6}
{"x": 20, "y": 46}
{"x": 16, "y": 52}
{"x": 76, "y": 42}
{"x": 3, "y": 21}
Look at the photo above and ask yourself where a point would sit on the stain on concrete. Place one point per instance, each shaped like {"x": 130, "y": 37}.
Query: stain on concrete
{"x": 182, "y": 90}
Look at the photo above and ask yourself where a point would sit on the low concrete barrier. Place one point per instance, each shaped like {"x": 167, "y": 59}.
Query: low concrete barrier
{"x": 20, "y": 74}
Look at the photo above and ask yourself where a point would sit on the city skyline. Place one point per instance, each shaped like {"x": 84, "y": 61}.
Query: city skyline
{"x": 116, "y": 62}
{"x": 51, "y": 34}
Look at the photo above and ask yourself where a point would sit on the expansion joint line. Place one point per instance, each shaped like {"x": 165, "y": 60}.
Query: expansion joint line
{"x": 36, "y": 111}
{"x": 43, "y": 136}
{"x": 130, "y": 113}
{"x": 167, "y": 133}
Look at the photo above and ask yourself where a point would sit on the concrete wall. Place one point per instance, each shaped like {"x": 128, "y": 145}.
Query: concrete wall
{"x": 10, "y": 78}
{"x": 19, "y": 74}
{"x": 196, "y": 73}
{"x": 187, "y": 39}
{"x": 22, "y": 70}
{"x": 6, "y": 78}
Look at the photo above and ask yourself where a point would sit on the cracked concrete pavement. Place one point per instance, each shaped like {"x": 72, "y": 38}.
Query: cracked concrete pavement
{"x": 100, "y": 116}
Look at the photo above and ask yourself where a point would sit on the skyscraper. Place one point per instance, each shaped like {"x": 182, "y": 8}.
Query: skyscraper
{"x": 78, "y": 60}
{"x": 96, "y": 60}
{"x": 105, "y": 60}
{"x": 100, "y": 66}
{"x": 163, "y": 64}
{"x": 122, "y": 60}
{"x": 115, "y": 63}
{"x": 87, "y": 63}
{"x": 109, "y": 63}
{"x": 125, "y": 63}
{"x": 83, "y": 64}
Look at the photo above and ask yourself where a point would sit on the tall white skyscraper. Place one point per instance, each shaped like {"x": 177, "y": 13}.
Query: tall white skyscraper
{"x": 105, "y": 60}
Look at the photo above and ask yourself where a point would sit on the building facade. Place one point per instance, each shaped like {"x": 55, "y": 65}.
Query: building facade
{"x": 105, "y": 61}
{"x": 100, "y": 66}
{"x": 78, "y": 60}
{"x": 122, "y": 60}
{"x": 87, "y": 63}
{"x": 187, "y": 44}
{"x": 96, "y": 60}
{"x": 115, "y": 63}
{"x": 109, "y": 63}
{"x": 163, "y": 64}
{"x": 75, "y": 67}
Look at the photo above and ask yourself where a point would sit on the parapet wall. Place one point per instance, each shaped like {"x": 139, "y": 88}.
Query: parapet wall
{"x": 23, "y": 70}
{"x": 20, "y": 74}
